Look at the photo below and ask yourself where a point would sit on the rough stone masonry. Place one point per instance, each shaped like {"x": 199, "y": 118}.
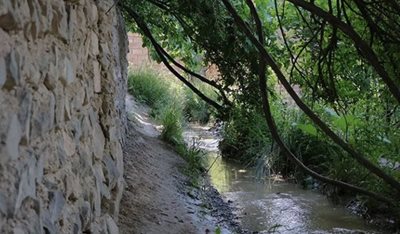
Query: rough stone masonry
{"x": 62, "y": 121}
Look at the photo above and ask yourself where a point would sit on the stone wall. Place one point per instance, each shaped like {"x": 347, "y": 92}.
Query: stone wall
{"x": 62, "y": 88}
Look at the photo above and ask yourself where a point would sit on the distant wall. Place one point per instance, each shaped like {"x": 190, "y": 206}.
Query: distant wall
{"x": 138, "y": 56}
{"x": 62, "y": 115}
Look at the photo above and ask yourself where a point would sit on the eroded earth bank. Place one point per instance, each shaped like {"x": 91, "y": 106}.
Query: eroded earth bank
{"x": 158, "y": 197}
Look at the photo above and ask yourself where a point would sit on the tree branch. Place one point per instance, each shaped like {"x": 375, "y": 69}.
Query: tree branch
{"x": 198, "y": 76}
{"x": 323, "y": 126}
{"x": 142, "y": 25}
{"x": 364, "y": 49}
{"x": 273, "y": 129}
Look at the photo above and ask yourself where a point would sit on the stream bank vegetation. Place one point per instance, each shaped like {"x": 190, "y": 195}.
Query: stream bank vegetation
{"x": 342, "y": 130}
{"x": 172, "y": 105}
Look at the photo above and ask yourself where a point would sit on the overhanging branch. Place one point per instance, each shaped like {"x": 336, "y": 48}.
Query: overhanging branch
{"x": 273, "y": 129}
{"x": 363, "y": 48}
{"x": 142, "y": 25}
{"x": 323, "y": 126}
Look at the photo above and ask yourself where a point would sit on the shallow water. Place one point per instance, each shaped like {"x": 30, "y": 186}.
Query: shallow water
{"x": 273, "y": 205}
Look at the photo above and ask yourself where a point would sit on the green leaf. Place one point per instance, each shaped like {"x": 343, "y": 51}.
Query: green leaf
{"x": 345, "y": 122}
{"x": 308, "y": 129}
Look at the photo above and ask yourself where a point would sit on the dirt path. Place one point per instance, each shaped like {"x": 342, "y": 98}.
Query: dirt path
{"x": 156, "y": 198}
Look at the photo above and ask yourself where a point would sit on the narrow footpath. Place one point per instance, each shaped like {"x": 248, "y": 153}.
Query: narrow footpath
{"x": 157, "y": 198}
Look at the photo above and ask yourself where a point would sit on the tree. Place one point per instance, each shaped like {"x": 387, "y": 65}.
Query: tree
{"x": 333, "y": 49}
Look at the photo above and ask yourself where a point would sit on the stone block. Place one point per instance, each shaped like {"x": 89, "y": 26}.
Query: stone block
{"x": 94, "y": 40}
{"x": 73, "y": 22}
{"x": 67, "y": 71}
{"x": 13, "y": 70}
{"x": 24, "y": 113}
{"x": 8, "y": 21}
{"x": 57, "y": 203}
{"x": 18, "y": 230}
{"x": 3, "y": 204}
{"x": 14, "y": 135}
{"x": 48, "y": 225}
{"x": 27, "y": 184}
{"x": 96, "y": 197}
{"x": 58, "y": 20}
{"x": 117, "y": 196}
{"x": 67, "y": 108}
{"x": 92, "y": 15}
{"x": 112, "y": 227}
{"x": 60, "y": 104}
{"x": 3, "y": 73}
{"x": 69, "y": 144}
{"x": 6, "y": 43}
{"x": 85, "y": 215}
{"x": 111, "y": 170}
{"x": 51, "y": 78}
{"x": 43, "y": 111}
{"x": 96, "y": 77}
{"x": 98, "y": 141}
{"x": 72, "y": 186}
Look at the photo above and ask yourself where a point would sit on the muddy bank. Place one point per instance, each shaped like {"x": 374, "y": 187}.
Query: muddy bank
{"x": 158, "y": 197}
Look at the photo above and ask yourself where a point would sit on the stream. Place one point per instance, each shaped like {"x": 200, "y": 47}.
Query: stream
{"x": 271, "y": 205}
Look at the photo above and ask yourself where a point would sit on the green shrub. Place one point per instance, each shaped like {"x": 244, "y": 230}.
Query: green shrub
{"x": 148, "y": 87}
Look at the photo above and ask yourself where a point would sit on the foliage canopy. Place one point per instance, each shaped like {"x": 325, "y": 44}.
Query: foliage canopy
{"x": 342, "y": 54}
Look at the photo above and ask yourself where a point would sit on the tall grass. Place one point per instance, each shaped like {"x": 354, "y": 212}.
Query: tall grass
{"x": 172, "y": 105}
{"x": 148, "y": 87}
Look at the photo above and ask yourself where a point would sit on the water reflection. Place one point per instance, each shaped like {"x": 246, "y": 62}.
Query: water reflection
{"x": 273, "y": 205}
